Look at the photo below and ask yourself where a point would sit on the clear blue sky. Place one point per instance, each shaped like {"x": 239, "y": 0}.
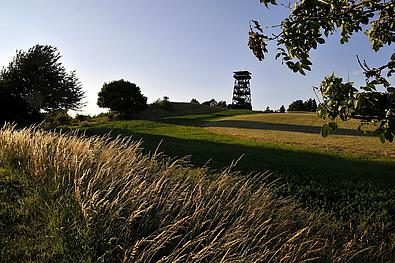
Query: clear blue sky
{"x": 182, "y": 49}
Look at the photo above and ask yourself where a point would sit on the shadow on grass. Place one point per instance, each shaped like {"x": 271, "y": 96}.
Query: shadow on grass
{"x": 279, "y": 127}
{"x": 354, "y": 190}
{"x": 299, "y": 164}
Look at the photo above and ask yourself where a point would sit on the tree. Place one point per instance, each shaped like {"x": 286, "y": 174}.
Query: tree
{"x": 268, "y": 110}
{"x": 122, "y": 96}
{"x": 221, "y": 104}
{"x": 211, "y": 103}
{"x": 307, "y": 26}
{"x": 310, "y": 105}
{"x": 35, "y": 82}
{"x": 282, "y": 109}
{"x": 194, "y": 101}
{"x": 297, "y": 105}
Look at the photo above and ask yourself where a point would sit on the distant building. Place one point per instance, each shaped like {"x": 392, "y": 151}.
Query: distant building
{"x": 241, "y": 91}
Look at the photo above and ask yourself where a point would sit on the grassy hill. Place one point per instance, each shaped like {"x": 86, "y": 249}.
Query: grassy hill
{"x": 347, "y": 174}
{"x": 79, "y": 199}
{"x": 303, "y": 129}
{"x": 155, "y": 111}
{"x": 351, "y": 183}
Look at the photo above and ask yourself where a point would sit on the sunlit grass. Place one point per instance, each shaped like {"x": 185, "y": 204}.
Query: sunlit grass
{"x": 120, "y": 205}
{"x": 298, "y": 129}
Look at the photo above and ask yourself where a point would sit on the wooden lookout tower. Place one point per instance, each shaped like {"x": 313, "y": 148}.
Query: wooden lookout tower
{"x": 241, "y": 91}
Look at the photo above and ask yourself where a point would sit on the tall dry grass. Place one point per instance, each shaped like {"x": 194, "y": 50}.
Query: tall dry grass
{"x": 132, "y": 207}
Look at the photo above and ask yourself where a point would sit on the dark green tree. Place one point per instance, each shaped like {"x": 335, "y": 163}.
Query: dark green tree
{"x": 221, "y": 104}
{"x": 297, "y": 105}
{"x": 34, "y": 83}
{"x": 211, "y": 103}
{"x": 268, "y": 110}
{"x": 122, "y": 96}
{"x": 307, "y": 26}
{"x": 310, "y": 105}
{"x": 194, "y": 101}
{"x": 282, "y": 109}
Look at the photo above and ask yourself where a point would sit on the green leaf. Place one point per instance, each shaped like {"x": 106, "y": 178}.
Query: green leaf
{"x": 333, "y": 125}
{"x": 325, "y": 130}
{"x": 320, "y": 40}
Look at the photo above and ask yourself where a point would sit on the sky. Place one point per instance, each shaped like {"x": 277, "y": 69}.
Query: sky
{"x": 182, "y": 49}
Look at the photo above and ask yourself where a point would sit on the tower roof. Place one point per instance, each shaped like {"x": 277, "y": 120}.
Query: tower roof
{"x": 242, "y": 74}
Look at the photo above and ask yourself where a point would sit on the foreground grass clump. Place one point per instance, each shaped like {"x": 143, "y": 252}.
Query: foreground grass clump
{"x": 120, "y": 205}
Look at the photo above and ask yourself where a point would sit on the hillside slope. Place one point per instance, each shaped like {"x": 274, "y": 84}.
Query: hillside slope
{"x": 123, "y": 206}
{"x": 302, "y": 129}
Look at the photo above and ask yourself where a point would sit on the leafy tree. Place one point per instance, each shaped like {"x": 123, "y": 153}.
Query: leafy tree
{"x": 35, "y": 82}
{"x": 211, "y": 103}
{"x": 194, "y": 101}
{"x": 310, "y": 105}
{"x": 282, "y": 109}
{"x": 221, "y": 104}
{"x": 122, "y": 96}
{"x": 307, "y": 26}
{"x": 297, "y": 105}
{"x": 268, "y": 110}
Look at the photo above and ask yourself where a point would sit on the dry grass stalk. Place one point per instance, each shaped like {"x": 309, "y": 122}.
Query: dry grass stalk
{"x": 140, "y": 208}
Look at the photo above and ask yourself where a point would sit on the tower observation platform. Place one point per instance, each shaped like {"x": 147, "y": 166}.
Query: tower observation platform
{"x": 241, "y": 91}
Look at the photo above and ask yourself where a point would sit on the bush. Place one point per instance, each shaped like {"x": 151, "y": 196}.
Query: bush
{"x": 58, "y": 118}
{"x": 81, "y": 117}
{"x": 164, "y": 104}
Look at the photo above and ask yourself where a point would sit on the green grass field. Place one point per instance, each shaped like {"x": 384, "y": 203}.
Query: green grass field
{"x": 348, "y": 177}
{"x": 348, "y": 174}
{"x": 67, "y": 198}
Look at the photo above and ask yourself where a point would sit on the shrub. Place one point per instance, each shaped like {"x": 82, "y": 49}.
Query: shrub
{"x": 81, "y": 117}
{"x": 58, "y": 118}
{"x": 164, "y": 104}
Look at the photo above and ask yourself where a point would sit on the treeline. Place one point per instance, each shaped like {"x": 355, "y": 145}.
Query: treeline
{"x": 299, "y": 105}
{"x": 36, "y": 87}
